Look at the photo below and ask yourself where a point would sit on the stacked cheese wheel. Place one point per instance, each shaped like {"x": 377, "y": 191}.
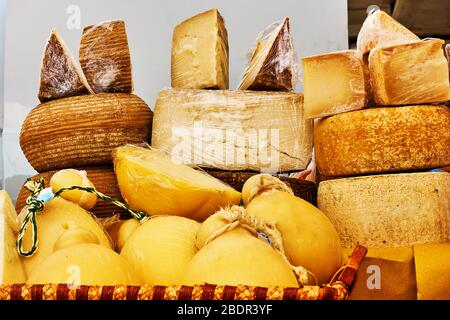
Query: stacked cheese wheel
{"x": 85, "y": 112}
{"x": 383, "y": 128}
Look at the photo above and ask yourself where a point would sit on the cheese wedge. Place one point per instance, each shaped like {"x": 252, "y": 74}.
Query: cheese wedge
{"x": 83, "y": 130}
{"x": 272, "y": 65}
{"x": 150, "y": 181}
{"x": 11, "y": 268}
{"x": 380, "y": 30}
{"x": 334, "y": 83}
{"x": 105, "y": 57}
{"x": 60, "y": 74}
{"x": 432, "y": 263}
{"x": 413, "y": 73}
{"x": 388, "y": 210}
{"x": 383, "y": 140}
{"x": 385, "y": 274}
{"x": 233, "y": 130}
{"x": 200, "y": 52}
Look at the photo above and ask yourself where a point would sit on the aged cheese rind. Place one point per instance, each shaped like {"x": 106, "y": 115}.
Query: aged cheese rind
{"x": 334, "y": 83}
{"x": 105, "y": 57}
{"x": 383, "y": 140}
{"x": 60, "y": 74}
{"x": 432, "y": 262}
{"x": 200, "y": 52}
{"x": 272, "y": 65}
{"x": 83, "y": 130}
{"x": 379, "y": 30}
{"x": 412, "y": 73}
{"x": 388, "y": 210}
{"x": 233, "y": 130}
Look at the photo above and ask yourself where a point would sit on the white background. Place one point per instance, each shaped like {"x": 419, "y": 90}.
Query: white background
{"x": 317, "y": 26}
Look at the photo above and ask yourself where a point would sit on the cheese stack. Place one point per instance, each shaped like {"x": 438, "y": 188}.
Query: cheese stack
{"x": 382, "y": 126}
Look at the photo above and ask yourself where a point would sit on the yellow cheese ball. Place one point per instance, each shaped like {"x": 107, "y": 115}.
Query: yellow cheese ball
{"x": 84, "y": 264}
{"x": 71, "y": 177}
{"x": 160, "y": 248}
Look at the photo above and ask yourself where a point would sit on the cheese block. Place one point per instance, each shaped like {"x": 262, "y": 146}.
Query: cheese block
{"x": 60, "y": 74}
{"x": 388, "y": 210}
{"x": 83, "y": 130}
{"x": 200, "y": 52}
{"x": 11, "y": 268}
{"x": 104, "y": 180}
{"x": 334, "y": 83}
{"x": 233, "y": 130}
{"x": 150, "y": 181}
{"x": 105, "y": 57}
{"x": 272, "y": 65}
{"x": 385, "y": 274}
{"x": 432, "y": 262}
{"x": 383, "y": 140}
{"x": 411, "y": 73}
{"x": 380, "y": 30}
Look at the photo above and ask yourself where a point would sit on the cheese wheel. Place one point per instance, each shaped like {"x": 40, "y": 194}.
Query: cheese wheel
{"x": 383, "y": 140}
{"x": 83, "y": 130}
{"x": 388, "y": 210}
{"x": 104, "y": 180}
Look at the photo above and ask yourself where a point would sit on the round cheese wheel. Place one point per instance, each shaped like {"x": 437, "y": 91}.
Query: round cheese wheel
{"x": 388, "y": 210}
{"x": 383, "y": 140}
{"x": 83, "y": 130}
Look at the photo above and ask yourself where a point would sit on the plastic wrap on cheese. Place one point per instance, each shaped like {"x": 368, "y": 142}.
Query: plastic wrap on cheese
{"x": 380, "y": 30}
{"x": 105, "y": 57}
{"x": 233, "y": 130}
{"x": 272, "y": 62}
{"x": 60, "y": 74}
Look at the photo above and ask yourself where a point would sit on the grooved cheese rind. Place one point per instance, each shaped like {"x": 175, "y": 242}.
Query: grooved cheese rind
{"x": 383, "y": 140}
{"x": 388, "y": 210}
{"x": 233, "y": 130}
{"x": 82, "y": 131}
{"x": 105, "y": 57}
{"x": 411, "y": 73}
{"x": 200, "y": 52}
{"x": 104, "y": 181}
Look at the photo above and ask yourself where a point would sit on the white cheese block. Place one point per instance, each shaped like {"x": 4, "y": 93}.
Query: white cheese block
{"x": 334, "y": 83}
{"x": 379, "y": 30}
{"x": 233, "y": 130}
{"x": 200, "y": 52}
{"x": 388, "y": 210}
{"x": 412, "y": 73}
{"x": 11, "y": 268}
{"x": 272, "y": 65}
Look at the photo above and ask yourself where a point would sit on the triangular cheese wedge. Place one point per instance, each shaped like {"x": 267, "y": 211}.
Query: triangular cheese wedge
{"x": 272, "y": 64}
{"x": 60, "y": 74}
{"x": 380, "y": 30}
{"x": 11, "y": 268}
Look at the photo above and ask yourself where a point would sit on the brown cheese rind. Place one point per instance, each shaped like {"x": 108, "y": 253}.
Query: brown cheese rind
{"x": 60, "y": 75}
{"x": 105, "y": 57}
{"x": 383, "y": 140}
{"x": 83, "y": 130}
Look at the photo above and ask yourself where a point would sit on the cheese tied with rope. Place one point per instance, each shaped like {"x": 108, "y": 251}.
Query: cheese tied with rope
{"x": 388, "y": 210}
{"x": 57, "y": 135}
{"x": 383, "y": 140}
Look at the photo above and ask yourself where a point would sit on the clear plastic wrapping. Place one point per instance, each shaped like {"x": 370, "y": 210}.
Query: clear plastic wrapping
{"x": 233, "y": 130}
{"x": 272, "y": 62}
{"x": 105, "y": 57}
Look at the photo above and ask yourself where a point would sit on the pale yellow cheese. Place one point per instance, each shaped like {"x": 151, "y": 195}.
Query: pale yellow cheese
{"x": 334, "y": 83}
{"x": 11, "y": 268}
{"x": 412, "y": 73}
{"x": 432, "y": 262}
{"x": 200, "y": 52}
{"x": 233, "y": 130}
{"x": 379, "y": 30}
{"x": 388, "y": 210}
